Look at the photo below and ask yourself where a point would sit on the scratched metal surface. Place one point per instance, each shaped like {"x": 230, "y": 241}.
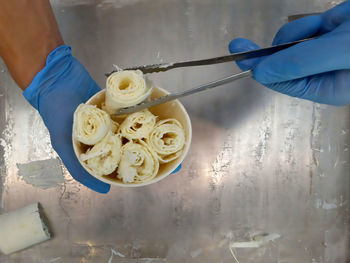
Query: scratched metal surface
{"x": 260, "y": 162}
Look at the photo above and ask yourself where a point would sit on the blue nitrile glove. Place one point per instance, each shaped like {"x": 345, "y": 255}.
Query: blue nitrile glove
{"x": 317, "y": 70}
{"x": 56, "y": 91}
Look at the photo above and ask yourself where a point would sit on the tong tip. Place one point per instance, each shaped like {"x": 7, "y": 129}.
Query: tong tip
{"x": 154, "y": 68}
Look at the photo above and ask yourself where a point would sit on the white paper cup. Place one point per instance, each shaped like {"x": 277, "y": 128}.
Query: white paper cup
{"x": 173, "y": 109}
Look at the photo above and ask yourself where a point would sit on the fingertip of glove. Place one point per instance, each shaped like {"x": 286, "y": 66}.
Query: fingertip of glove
{"x": 99, "y": 187}
{"x": 92, "y": 182}
{"x": 103, "y": 189}
{"x": 177, "y": 169}
{"x": 241, "y": 44}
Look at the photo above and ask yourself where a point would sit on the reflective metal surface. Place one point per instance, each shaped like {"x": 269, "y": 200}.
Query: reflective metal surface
{"x": 260, "y": 162}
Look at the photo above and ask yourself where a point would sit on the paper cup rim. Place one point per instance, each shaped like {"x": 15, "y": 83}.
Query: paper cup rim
{"x": 156, "y": 179}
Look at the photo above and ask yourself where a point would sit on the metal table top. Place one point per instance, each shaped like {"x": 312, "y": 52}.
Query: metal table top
{"x": 260, "y": 162}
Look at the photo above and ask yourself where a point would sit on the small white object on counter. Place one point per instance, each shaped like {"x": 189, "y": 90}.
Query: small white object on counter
{"x": 257, "y": 241}
{"x": 21, "y": 229}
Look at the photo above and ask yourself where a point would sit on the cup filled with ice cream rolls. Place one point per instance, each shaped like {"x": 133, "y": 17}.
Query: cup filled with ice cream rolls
{"x": 135, "y": 149}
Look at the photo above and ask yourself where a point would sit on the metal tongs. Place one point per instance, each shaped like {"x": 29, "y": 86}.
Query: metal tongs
{"x": 167, "y": 66}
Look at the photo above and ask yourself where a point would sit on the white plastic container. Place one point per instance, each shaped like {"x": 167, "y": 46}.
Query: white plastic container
{"x": 173, "y": 109}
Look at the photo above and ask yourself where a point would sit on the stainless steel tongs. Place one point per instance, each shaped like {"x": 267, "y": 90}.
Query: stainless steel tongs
{"x": 167, "y": 66}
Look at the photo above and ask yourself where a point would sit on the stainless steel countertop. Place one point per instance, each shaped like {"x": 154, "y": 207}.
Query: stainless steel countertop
{"x": 260, "y": 162}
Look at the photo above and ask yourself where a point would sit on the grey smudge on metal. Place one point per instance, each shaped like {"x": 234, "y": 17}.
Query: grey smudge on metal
{"x": 43, "y": 174}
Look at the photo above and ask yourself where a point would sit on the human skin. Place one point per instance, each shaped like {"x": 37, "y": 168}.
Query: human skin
{"x": 28, "y": 33}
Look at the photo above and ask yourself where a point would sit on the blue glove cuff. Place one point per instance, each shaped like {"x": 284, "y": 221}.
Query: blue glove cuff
{"x": 60, "y": 57}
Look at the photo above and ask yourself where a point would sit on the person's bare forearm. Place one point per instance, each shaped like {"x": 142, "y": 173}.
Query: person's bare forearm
{"x": 28, "y": 33}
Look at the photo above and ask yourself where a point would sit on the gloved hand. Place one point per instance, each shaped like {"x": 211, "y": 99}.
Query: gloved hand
{"x": 59, "y": 87}
{"x": 56, "y": 91}
{"x": 317, "y": 70}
